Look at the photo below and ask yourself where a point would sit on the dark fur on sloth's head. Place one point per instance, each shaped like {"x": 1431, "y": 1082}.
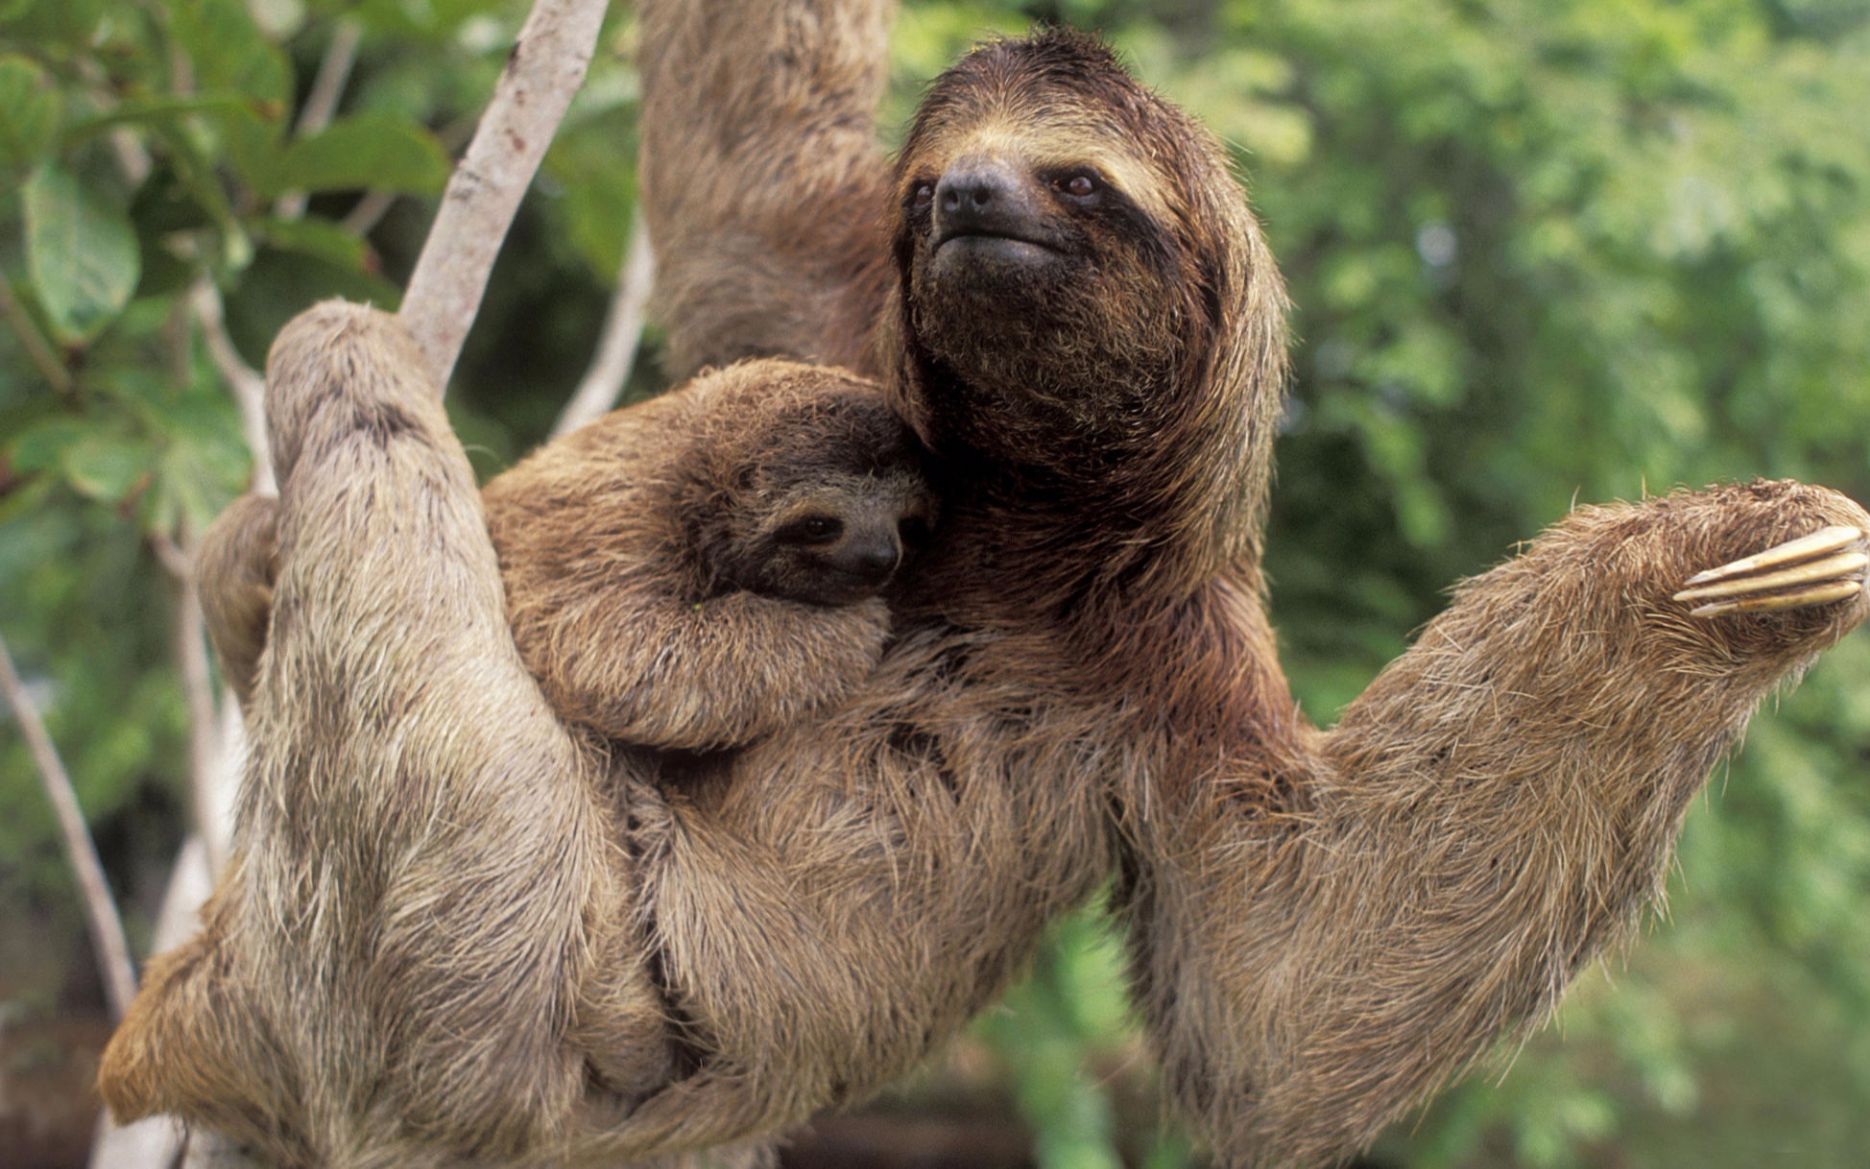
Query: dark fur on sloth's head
{"x": 817, "y": 495}
{"x": 1083, "y": 297}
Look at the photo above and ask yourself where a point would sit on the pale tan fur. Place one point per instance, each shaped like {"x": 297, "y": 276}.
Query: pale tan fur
{"x": 1082, "y": 682}
{"x": 644, "y": 520}
{"x": 393, "y": 955}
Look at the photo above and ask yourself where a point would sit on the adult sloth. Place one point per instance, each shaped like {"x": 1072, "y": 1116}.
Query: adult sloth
{"x": 1083, "y": 326}
{"x": 1083, "y": 323}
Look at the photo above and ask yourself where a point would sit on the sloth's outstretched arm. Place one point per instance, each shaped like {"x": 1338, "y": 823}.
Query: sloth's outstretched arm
{"x": 427, "y": 878}
{"x": 764, "y": 185}
{"x": 1496, "y": 808}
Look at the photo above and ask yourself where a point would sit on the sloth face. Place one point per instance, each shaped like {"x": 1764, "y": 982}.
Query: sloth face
{"x": 839, "y": 539}
{"x": 825, "y": 506}
{"x": 1054, "y": 248}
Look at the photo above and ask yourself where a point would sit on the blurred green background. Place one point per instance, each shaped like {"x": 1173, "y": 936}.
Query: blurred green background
{"x": 1541, "y": 250}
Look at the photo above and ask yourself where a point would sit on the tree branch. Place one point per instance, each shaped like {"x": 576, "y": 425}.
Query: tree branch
{"x": 113, "y": 951}
{"x": 544, "y": 71}
{"x": 333, "y": 71}
{"x": 206, "y": 746}
{"x": 247, "y": 386}
{"x": 369, "y": 211}
{"x": 623, "y": 331}
{"x": 38, "y": 350}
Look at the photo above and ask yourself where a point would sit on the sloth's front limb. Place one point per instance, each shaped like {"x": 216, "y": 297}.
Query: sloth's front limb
{"x": 1496, "y": 809}
{"x": 426, "y": 838}
{"x": 763, "y": 180}
{"x": 693, "y": 676}
{"x": 429, "y": 884}
{"x": 1818, "y": 569}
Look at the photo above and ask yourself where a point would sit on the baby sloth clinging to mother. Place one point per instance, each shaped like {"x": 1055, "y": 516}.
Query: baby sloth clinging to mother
{"x": 706, "y": 567}
{"x": 692, "y": 572}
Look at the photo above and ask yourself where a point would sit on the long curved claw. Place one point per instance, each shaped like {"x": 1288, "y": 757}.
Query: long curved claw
{"x": 1828, "y": 565}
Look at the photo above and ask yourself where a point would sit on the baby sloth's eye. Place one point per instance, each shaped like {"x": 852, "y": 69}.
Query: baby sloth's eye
{"x": 1079, "y": 185}
{"x": 811, "y": 529}
{"x": 923, "y": 196}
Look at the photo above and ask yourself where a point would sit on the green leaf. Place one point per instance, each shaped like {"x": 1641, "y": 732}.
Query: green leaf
{"x": 104, "y": 467}
{"x": 195, "y": 171}
{"x": 157, "y": 111}
{"x": 314, "y": 237}
{"x": 230, "y": 53}
{"x": 42, "y": 445}
{"x": 378, "y": 152}
{"x": 232, "y": 57}
{"x": 33, "y": 108}
{"x": 81, "y": 254}
{"x": 67, "y": 23}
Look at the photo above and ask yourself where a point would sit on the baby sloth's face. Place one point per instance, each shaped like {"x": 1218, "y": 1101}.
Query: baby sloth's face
{"x": 838, "y": 538}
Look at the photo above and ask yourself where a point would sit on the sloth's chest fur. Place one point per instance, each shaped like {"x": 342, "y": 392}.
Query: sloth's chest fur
{"x": 862, "y": 885}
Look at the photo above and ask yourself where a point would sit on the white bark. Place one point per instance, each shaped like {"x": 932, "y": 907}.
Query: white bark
{"x": 544, "y": 71}
{"x": 603, "y": 383}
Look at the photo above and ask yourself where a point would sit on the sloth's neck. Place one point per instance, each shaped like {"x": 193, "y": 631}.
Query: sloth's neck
{"x": 1096, "y": 590}
{"x": 1028, "y": 540}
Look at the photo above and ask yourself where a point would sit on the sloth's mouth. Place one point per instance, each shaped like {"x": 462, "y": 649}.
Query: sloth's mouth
{"x": 996, "y": 240}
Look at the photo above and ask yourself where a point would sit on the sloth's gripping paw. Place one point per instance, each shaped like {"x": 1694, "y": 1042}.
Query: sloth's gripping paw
{"x": 1826, "y": 566}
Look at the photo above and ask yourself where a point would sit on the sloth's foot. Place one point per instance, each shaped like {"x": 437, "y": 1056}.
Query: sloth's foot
{"x": 1828, "y": 565}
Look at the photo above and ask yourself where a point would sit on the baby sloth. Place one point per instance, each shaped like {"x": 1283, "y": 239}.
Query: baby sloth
{"x": 692, "y": 572}
{"x": 701, "y": 569}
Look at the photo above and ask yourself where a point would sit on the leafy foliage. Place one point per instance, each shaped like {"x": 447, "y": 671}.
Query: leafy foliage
{"x": 1542, "y": 250}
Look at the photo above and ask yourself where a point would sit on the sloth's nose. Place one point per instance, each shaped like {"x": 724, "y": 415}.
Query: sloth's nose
{"x": 871, "y": 560}
{"x": 982, "y": 196}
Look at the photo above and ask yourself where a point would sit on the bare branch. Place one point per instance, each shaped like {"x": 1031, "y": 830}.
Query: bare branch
{"x": 623, "y": 331}
{"x": 174, "y": 560}
{"x": 38, "y": 349}
{"x": 333, "y": 71}
{"x": 370, "y": 210}
{"x": 247, "y": 386}
{"x": 546, "y": 67}
{"x": 205, "y": 743}
{"x": 113, "y": 951}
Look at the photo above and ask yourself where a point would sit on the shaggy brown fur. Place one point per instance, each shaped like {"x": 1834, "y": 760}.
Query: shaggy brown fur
{"x": 741, "y": 528}
{"x": 790, "y": 223}
{"x": 1325, "y": 926}
{"x": 235, "y": 564}
{"x": 704, "y": 568}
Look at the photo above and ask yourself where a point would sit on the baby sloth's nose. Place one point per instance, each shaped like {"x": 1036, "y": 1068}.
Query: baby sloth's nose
{"x": 870, "y": 558}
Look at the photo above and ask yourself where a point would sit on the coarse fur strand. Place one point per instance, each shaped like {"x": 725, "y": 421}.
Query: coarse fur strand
{"x": 1081, "y": 682}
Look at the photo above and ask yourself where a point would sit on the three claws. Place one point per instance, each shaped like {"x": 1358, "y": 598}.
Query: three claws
{"x": 1828, "y": 565}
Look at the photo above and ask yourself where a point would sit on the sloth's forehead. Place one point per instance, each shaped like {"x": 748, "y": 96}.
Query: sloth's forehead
{"x": 1043, "y": 136}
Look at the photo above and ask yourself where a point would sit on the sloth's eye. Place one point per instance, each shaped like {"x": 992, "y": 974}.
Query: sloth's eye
{"x": 924, "y": 196}
{"x": 812, "y": 529}
{"x": 1078, "y": 186}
